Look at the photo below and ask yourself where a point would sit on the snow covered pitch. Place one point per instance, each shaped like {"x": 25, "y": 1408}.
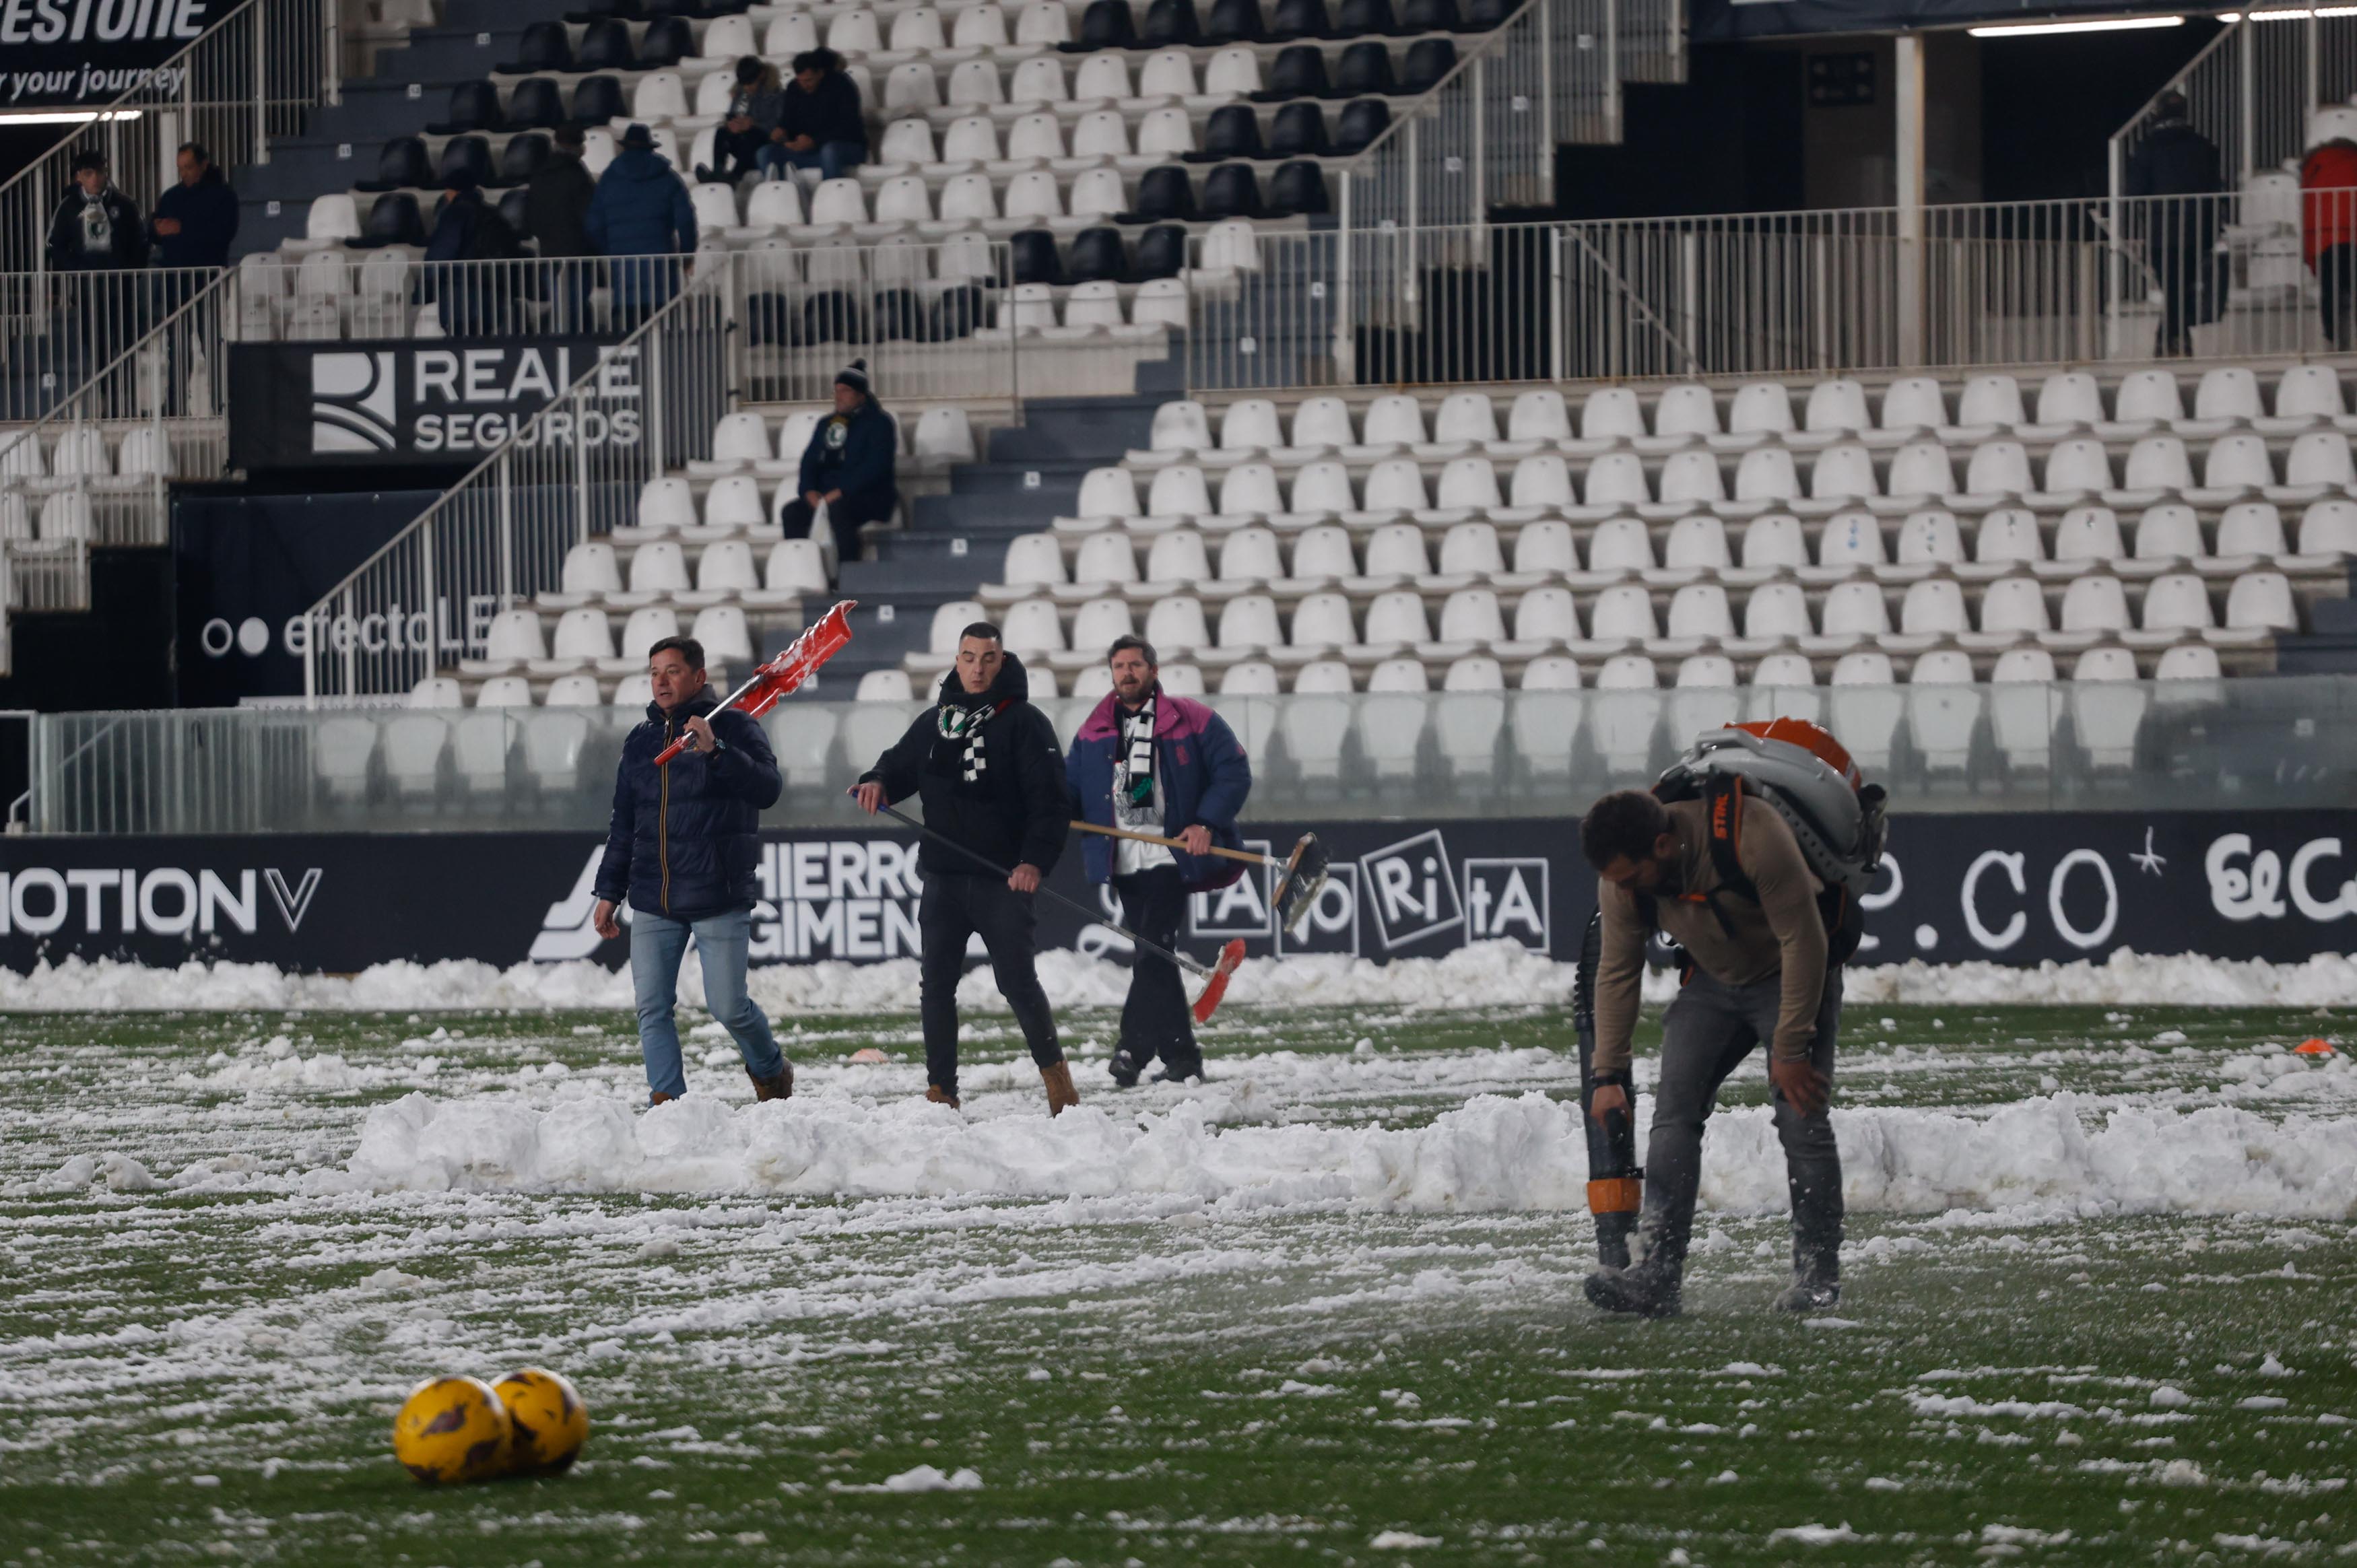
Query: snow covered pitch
{"x": 2102, "y": 1274}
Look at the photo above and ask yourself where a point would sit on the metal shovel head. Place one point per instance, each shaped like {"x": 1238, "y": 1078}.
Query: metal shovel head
{"x": 1306, "y": 875}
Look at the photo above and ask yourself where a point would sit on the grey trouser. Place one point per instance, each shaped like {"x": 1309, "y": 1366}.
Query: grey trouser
{"x": 1709, "y": 1029}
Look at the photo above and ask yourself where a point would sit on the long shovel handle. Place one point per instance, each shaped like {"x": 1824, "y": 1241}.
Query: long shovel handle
{"x": 1247, "y": 856}
{"x": 1085, "y": 913}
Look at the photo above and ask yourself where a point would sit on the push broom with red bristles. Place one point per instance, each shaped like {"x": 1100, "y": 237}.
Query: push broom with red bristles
{"x": 819, "y": 641}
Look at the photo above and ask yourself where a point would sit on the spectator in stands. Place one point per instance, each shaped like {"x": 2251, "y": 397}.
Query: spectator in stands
{"x": 848, "y": 466}
{"x": 472, "y": 297}
{"x": 822, "y": 126}
{"x": 642, "y": 218}
{"x": 2181, "y": 238}
{"x": 96, "y": 235}
{"x": 754, "y": 122}
{"x": 683, "y": 850}
{"x": 1153, "y": 763}
{"x": 2328, "y": 183}
{"x": 95, "y": 228}
{"x": 555, "y": 209}
{"x": 985, "y": 763}
{"x": 196, "y": 220}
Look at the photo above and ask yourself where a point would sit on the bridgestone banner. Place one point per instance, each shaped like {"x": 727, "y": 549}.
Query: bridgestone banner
{"x": 88, "y": 53}
{"x": 423, "y": 402}
{"x": 2009, "y": 888}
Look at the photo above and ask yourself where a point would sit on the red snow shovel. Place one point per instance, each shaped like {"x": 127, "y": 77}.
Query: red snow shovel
{"x": 819, "y": 641}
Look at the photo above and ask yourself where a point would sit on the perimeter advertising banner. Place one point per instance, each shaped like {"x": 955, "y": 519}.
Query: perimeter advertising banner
{"x": 2013, "y": 888}
{"x": 70, "y": 53}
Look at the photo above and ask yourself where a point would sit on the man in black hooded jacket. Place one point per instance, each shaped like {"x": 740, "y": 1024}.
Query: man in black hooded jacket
{"x": 987, "y": 766}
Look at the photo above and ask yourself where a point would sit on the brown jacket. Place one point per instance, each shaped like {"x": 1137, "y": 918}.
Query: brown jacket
{"x": 1779, "y": 933}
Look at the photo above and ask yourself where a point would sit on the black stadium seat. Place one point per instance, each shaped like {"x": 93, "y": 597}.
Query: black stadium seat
{"x": 1300, "y": 19}
{"x": 1171, "y": 22}
{"x": 959, "y": 313}
{"x": 1298, "y": 188}
{"x": 900, "y": 315}
{"x": 668, "y": 41}
{"x": 1297, "y": 131}
{"x": 596, "y": 99}
{"x": 545, "y": 46}
{"x": 832, "y": 316}
{"x": 605, "y": 46}
{"x": 511, "y": 208}
{"x": 474, "y": 106}
{"x": 535, "y": 105}
{"x": 1031, "y": 255}
{"x": 1162, "y": 252}
{"x": 602, "y": 10}
{"x": 1358, "y": 125}
{"x": 1232, "y": 131}
{"x": 1429, "y": 16}
{"x": 1096, "y": 256}
{"x": 392, "y": 220}
{"x": 401, "y": 166}
{"x": 1234, "y": 22}
{"x": 1488, "y": 16}
{"x": 521, "y": 158}
{"x": 1164, "y": 194}
{"x": 1365, "y": 18}
{"x": 1300, "y": 72}
{"x": 1232, "y": 190}
{"x": 1364, "y": 68}
{"x": 467, "y": 157}
{"x": 1428, "y": 60}
{"x": 1105, "y": 24}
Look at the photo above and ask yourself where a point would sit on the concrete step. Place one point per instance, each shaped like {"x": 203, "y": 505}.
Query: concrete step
{"x": 1095, "y": 430}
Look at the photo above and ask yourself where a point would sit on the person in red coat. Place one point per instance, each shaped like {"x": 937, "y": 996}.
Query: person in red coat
{"x": 2328, "y": 184}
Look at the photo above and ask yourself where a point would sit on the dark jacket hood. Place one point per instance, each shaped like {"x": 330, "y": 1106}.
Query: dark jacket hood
{"x": 1012, "y": 686}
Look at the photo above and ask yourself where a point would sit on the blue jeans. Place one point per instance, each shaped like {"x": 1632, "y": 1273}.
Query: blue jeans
{"x": 657, "y": 944}
{"x": 832, "y": 160}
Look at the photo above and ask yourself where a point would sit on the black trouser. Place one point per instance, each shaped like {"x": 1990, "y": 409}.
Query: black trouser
{"x": 2336, "y": 277}
{"x": 736, "y": 153}
{"x": 1156, "y": 1020}
{"x": 2189, "y": 276}
{"x": 845, "y": 515}
{"x": 953, "y": 908}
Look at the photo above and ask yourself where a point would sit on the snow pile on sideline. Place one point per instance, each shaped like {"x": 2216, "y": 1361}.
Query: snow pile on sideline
{"x": 1525, "y": 1153}
{"x": 1496, "y": 973}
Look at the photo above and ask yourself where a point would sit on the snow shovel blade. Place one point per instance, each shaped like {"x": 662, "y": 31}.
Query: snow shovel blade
{"x": 1305, "y": 874}
{"x": 1216, "y": 986}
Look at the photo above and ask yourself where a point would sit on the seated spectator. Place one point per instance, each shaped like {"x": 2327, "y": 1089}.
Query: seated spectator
{"x": 642, "y": 218}
{"x": 196, "y": 220}
{"x": 848, "y": 466}
{"x": 822, "y": 126}
{"x": 756, "y": 110}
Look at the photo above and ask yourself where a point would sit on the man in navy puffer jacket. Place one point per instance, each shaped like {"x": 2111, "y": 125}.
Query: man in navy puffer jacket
{"x": 683, "y": 850}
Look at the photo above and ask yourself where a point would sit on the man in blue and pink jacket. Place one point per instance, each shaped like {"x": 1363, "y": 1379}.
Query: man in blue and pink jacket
{"x": 1152, "y": 763}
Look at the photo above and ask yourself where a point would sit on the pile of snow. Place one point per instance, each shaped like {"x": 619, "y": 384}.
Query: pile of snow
{"x": 1496, "y": 973}
{"x": 1525, "y": 1154}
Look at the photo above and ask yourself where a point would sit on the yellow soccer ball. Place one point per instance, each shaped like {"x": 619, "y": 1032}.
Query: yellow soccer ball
{"x": 451, "y": 1429}
{"x": 550, "y": 1421}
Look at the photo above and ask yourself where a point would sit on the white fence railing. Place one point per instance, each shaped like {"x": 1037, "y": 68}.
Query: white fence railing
{"x": 251, "y": 76}
{"x": 2239, "y": 744}
{"x": 1766, "y": 293}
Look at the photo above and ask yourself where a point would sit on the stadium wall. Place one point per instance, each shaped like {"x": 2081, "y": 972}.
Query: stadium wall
{"x": 2012, "y": 887}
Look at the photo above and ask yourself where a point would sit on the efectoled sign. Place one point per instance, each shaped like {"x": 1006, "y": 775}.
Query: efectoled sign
{"x": 433, "y": 401}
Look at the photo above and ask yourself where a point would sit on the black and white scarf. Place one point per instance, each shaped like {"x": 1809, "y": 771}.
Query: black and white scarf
{"x": 1132, "y": 784}
{"x": 966, "y": 725}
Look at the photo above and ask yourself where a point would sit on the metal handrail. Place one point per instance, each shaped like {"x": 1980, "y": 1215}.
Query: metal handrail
{"x": 1431, "y": 98}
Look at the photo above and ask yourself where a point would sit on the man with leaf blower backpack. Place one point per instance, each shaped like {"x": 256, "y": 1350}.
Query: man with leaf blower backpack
{"x": 1748, "y": 856}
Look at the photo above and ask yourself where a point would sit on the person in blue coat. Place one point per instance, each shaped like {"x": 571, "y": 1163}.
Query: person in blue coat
{"x": 683, "y": 851}
{"x": 642, "y": 217}
{"x": 848, "y": 466}
{"x": 195, "y": 222}
{"x": 1153, "y": 763}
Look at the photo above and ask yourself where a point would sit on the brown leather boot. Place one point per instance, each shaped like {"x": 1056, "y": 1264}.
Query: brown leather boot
{"x": 1060, "y": 1092}
{"x": 933, "y": 1096}
{"x": 658, "y": 1097}
{"x": 781, "y": 1087}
